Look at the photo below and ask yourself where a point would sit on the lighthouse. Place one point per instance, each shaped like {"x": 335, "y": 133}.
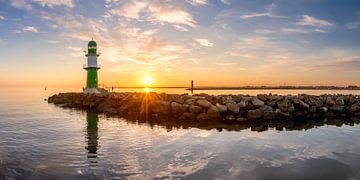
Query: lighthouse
{"x": 92, "y": 67}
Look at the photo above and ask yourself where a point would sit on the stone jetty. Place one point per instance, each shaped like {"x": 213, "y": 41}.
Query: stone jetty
{"x": 204, "y": 107}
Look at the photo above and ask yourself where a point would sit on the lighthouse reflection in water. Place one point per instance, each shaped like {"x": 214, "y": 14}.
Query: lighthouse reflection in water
{"x": 92, "y": 136}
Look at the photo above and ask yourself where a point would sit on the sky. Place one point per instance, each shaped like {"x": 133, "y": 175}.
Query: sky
{"x": 171, "y": 42}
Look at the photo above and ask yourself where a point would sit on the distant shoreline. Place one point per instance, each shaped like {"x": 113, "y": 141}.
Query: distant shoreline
{"x": 250, "y": 88}
{"x": 276, "y": 88}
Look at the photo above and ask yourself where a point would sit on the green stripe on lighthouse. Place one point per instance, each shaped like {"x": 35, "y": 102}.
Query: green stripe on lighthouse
{"x": 92, "y": 80}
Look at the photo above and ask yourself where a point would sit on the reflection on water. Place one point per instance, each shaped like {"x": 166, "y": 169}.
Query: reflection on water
{"x": 92, "y": 136}
{"x": 42, "y": 141}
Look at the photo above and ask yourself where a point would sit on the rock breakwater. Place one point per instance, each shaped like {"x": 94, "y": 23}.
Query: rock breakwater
{"x": 204, "y": 107}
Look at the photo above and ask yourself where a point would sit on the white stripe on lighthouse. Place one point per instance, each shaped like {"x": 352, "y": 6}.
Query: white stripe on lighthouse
{"x": 92, "y": 61}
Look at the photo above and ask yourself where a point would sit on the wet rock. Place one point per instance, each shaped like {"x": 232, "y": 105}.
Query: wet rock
{"x": 194, "y": 109}
{"x": 190, "y": 101}
{"x": 241, "y": 119}
{"x": 257, "y": 102}
{"x": 202, "y": 117}
{"x": 178, "y": 99}
{"x": 295, "y": 100}
{"x": 233, "y": 107}
{"x": 110, "y": 110}
{"x": 236, "y": 98}
{"x": 323, "y": 109}
{"x": 329, "y": 114}
{"x": 229, "y": 117}
{"x": 340, "y": 101}
{"x": 213, "y": 113}
{"x": 187, "y": 116}
{"x": 221, "y": 108}
{"x": 270, "y": 103}
{"x": 304, "y": 105}
{"x": 330, "y": 101}
{"x": 267, "y": 108}
{"x": 354, "y": 108}
{"x": 178, "y": 109}
{"x": 300, "y": 114}
{"x": 255, "y": 114}
{"x": 203, "y": 103}
{"x": 351, "y": 100}
{"x": 313, "y": 109}
{"x": 291, "y": 108}
{"x": 262, "y": 97}
{"x": 270, "y": 115}
{"x": 282, "y": 115}
{"x": 283, "y": 105}
{"x": 160, "y": 107}
{"x": 319, "y": 103}
{"x": 242, "y": 104}
{"x": 336, "y": 108}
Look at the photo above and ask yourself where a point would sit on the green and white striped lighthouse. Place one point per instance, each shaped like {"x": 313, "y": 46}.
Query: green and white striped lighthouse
{"x": 91, "y": 67}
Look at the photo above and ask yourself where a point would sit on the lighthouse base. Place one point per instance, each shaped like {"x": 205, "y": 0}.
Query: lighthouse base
{"x": 94, "y": 91}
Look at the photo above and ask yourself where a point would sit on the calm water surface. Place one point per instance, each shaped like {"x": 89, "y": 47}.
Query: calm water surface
{"x": 41, "y": 141}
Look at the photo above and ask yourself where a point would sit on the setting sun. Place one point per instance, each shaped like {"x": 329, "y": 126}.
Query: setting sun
{"x": 147, "y": 80}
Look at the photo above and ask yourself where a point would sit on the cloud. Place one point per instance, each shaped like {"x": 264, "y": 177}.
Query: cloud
{"x": 52, "y": 3}
{"x": 77, "y": 49}
{"x": 353, "y": 25}
{"x": 226, "y": 63}
{"x": 204, "y": 42}
{"x": 21, "y": 4}
{"x": 265, "y": 14}
{"x": 154, "y": 12}
{"x": 53, "y": 41}
{"x": 320, "y": 31}
{"x": 294, "y": 30}
{"x": 131, "y": 9}
{"x": 197, "y": 2}
{"x": 180, "y": 28}
{"x": 2, "y": 18}
{"x": 227, "y": 2}
{"x": 264, "y": 31}
{"x": 29, "y": 29}
{"x": 307, "y": 20}
{"x": 351, "y": 63}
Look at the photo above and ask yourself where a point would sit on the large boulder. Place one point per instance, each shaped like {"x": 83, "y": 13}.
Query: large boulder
{"x": 330, "y": 101}
{"x": 337, "y": 108}
{"x": 178, "y": 109}
{"x": 242, "y": 104}
{"x": 213, "y": 113}
{"x": 255, "y": 114}
{"x": 319, "y": 103}
{"x": 187, "y": 116}
{"x": 257, "y": 102}
{"x": 267, "y": 108}
{"x": 283, "y": 105}
{"x": 354, "y": 108}
{"x": 233, "y": 107}
{"x": 202, "y": 117}
{"x": 195, "y": 109}
{"x": 340, "y": 101}
{"x": 221, "y": 108}
{"x": 204, "y": 103}
{"x": 160, "y": 107}
{"x": 269, "y": 115}
{"x": 304, "y": 105}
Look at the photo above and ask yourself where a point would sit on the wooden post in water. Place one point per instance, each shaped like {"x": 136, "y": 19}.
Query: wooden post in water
{"x": 192, "y": 86}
